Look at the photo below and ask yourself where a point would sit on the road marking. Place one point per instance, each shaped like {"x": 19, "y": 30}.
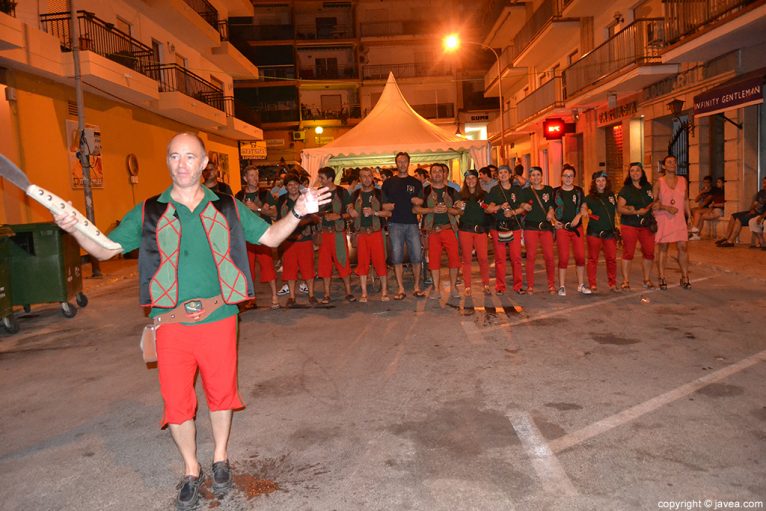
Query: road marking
{"x": 604, "y": 425}
{"x": 393, "y": 366}
{"x": 552, "y": 476}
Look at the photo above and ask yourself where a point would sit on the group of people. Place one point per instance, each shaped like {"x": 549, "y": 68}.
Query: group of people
{"x": 428, "y": 219}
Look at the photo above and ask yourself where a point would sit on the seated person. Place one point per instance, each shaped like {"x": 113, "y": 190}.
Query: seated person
{"x": 742, "y": 218}
{"x": 710, "y": 206}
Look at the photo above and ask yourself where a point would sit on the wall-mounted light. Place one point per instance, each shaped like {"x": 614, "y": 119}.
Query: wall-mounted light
{"x": 676, "y": 107}
{"x": 319, "y": 130}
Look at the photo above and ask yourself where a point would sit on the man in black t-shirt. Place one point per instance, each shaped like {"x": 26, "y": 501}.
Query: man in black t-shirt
{"x": 400, "y": 194}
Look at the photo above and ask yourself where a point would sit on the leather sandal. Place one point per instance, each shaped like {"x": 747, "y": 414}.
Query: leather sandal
{"x": 400, "y": 296}
{"x": 663, "y": 284}
{"x": 625, "y": 286}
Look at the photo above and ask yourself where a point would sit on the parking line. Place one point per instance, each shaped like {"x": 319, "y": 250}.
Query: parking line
{"x": 472, "y": 333}
{"x": 618, "y": 419}
{"x": 552, "y": 475}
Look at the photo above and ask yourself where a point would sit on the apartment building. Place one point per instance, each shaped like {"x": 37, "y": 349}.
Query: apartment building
{"x": 324, "y": 64}
{"x": 632, "y": 79}
{"x": 149, "y": 69}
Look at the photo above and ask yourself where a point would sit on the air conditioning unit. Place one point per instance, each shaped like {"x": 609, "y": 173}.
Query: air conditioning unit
{"x": 299, "y": 136}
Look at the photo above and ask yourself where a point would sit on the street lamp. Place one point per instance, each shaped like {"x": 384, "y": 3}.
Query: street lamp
{"x": 451, "y": 43}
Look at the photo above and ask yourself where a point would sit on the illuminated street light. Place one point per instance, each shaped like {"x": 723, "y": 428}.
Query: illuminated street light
{"x": 451, "y": 43}
{"x": 319, "y": 130}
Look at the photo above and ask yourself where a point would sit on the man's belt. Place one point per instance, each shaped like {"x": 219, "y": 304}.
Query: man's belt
{"x": 478, "y": 229}
{"x": 191, "y": 311}
{"x": 367, "y": 230}
{"x": 330, "y": 229}
{"x": 438, "y": 228}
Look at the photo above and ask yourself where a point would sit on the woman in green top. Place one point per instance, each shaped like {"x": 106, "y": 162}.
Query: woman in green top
{"x": 602, "y": 232}
{"x": 537, "y": 201}
{"x": 634, "y": 204}
{"x": 506, "y": 233}
{"x": 472, "y": 229}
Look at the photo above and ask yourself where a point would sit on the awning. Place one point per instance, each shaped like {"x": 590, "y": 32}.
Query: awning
{"x": 739, "y": 92}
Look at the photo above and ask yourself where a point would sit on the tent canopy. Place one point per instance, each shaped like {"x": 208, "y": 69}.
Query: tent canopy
{"x": 390, "y": 127}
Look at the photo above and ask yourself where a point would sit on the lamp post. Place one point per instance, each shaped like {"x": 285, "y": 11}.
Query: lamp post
{"x": 451, "y": 44}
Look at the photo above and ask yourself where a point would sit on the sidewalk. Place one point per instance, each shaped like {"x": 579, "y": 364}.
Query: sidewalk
{"x": 740, "y": 259}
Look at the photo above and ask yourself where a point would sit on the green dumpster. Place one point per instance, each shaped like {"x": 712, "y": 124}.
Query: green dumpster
{"x": 45, "y": 267}
{"x": 9, "y": 321}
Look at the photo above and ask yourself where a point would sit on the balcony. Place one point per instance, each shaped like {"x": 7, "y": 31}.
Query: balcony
{"x": 106, "y": 56}
{"x": 228, "y": 57}
{"x": 318, "y": 32}
{"x": 328, "y": 74}
{"x": 541, "y": 40}
{"x": 701, "y": 31}
{"x": 101, "y": 38}
{"x": 493, "y": 128}
{"x": 241, "y": 121}
{"x": 396, "y": 28}
{"x": 546, "y": 98}
{"x": 11, "y": 31}
{"x": 283, "y": 72}
{"x": 413, "y": 70}
{"x": 514, "y": 78}
{"x": 260, "y": 33}
{"x": 189, "y": 98}
{"x": 627, "y": 62}
{"x": 206, "y": 11}
{"x": 343, "y": 114}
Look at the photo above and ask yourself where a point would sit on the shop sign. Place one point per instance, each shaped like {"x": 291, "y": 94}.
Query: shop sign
{"x": 619, "y": 112}
{"x": 729, "y": 95}
{"x": 275, "y": 142}
{"x": 252, "y": 150}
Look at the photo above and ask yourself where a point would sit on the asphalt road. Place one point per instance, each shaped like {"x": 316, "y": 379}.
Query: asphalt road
{"x": 629, "y": 401}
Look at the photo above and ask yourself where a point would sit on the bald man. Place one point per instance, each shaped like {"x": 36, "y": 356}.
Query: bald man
{"x": 193, "y": 270}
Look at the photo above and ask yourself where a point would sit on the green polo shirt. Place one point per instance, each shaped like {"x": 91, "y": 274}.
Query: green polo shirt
{"x": 473, "y": 214}
{"x": 366, "y": 221}
{"x": 197, "y": 273}
{"x": 499, "y": 196}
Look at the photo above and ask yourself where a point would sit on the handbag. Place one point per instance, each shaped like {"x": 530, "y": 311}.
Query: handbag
{"x": 649, "y": 222}
{"x": 504, "y": 236}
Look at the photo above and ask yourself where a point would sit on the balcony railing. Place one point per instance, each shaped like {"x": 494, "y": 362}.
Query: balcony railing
{"x": 274, "y": 73}
{"x": 683, "y": 17}
{"x": 311, "y": 32}
{"x": 435, "y": 110}
{"x": 393, "y": 28}
{"x": 510, "y": 120}
{"x": 328, "y": 74}
{"x": 206, "y": 10}
{"x": 280, "y": 114}
{"x": 100, "y": 37}
{"x": 412, "y": 70}
{"x": 639, "y": 43}
{"x": 316, "y": 113}
{"x": 544, "y": 98}
{"x": 547, "y": 11}
{"x": 175, "y": 78}
{"x": 8, "y": 8}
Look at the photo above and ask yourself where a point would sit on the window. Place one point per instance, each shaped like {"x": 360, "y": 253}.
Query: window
{"x": 326, "y": 67}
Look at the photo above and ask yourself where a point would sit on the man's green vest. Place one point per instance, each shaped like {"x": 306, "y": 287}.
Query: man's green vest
{"x": 431, "y": 201}
{"x": 160, "y": 247}
{"x": 376, "y": 204}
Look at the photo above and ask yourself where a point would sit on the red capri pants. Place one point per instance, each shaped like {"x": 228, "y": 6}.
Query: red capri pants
{"x": 468, "y": 242}
{"x": 631, "y": 235}
{"x": 545, "y": 239}
{"x": 329, "y": 258}
{"x": 370, "y": 248}
{"x": 513, "y": 249}
{"x": 209, "y": 347}
{"x": 262, "y": 255}
{"x": 564, "y": 239}
{"x": 443, "y": 239}
{"x": 298, "y": 255}
{"x": 610, "y": 254}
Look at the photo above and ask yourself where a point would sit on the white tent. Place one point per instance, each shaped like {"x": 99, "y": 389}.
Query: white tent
{"x": 390, "y": 127}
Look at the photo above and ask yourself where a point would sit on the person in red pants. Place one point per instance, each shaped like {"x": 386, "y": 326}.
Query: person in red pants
{"x": 537, "y": 200}
{"x": 602, "y": 232}
{"x": 333, "y": 249}
{"x": 439, "y": 223}
{"x": 569, "y": 202}
{"x": 298, "y": 248}
{"x": 473, "y": 229}
{"x": 367, "y": 212}
{"x": 505, "y": 202}
{"x": 634, "y": 204}
{"x": 263, "y": 203}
